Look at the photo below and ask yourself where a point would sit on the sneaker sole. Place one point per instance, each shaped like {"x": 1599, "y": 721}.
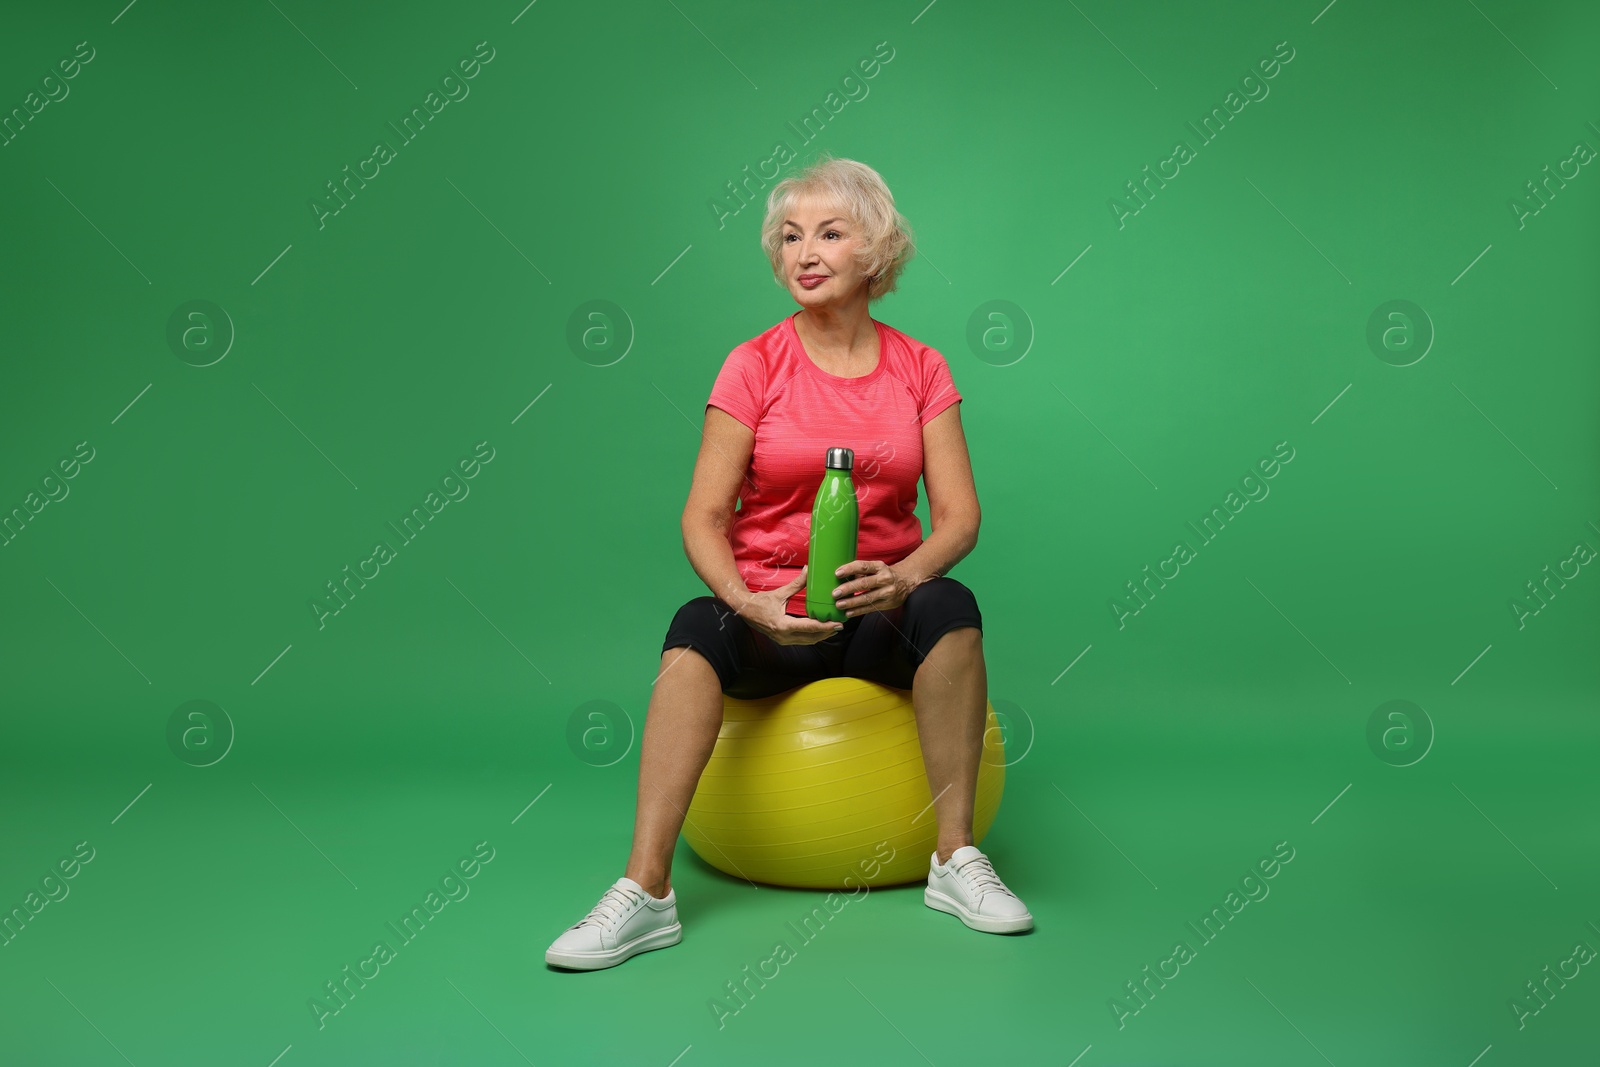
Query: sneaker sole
{"x": 594, "y": 961}
{"x": 986, "y": 923}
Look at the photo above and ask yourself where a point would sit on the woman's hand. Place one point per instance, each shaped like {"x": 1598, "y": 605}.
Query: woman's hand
{"x": 870, "y": 585}
{"x": 764, "y": 612}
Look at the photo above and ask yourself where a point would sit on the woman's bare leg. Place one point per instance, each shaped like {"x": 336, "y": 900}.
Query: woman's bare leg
{"x": 950, "y": 695}
{"x": 679, "y": 733}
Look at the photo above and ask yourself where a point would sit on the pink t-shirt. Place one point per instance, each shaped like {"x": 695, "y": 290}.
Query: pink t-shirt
{"x": 798, "y": 411}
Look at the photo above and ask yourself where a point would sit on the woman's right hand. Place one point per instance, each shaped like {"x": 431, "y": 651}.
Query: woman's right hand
{"x": 765, "y": 612}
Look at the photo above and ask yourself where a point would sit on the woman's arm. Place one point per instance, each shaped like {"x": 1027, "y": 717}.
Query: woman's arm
{"x": 726, "y": 445}
{"x": 952, "y": 500}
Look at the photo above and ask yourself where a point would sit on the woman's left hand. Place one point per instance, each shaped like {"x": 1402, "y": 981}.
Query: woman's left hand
{"x": 870, "y": 585}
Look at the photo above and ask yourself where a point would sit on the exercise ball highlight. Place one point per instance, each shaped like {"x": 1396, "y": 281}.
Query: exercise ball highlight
{"x": 824, "y": 787}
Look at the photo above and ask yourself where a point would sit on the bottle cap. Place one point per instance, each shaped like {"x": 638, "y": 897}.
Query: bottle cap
{"x": 840, "y": 459}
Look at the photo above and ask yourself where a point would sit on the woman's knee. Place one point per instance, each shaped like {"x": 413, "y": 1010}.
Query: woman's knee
{"x": 707, "y": 614}
{"x": 945, "y": 597}
{"x": 707, "y": 627}
{"x": 940, "y": 609}
{"x": 701, "y": 665}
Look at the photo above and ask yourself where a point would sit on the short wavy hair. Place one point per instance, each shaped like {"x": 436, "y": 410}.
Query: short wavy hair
{"x": 859, "y": 193}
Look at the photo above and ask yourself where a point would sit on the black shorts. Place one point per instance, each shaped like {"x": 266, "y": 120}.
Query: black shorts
{"x": 885, "y": 647}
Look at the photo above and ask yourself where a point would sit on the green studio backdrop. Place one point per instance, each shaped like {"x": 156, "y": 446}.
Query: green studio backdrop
{"x": 273, "y": 273}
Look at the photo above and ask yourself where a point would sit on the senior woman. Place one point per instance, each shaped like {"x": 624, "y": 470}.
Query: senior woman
{"x": 827, "y": 375}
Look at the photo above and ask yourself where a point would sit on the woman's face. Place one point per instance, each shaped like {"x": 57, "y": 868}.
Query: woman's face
{"x": 819, "y": 245}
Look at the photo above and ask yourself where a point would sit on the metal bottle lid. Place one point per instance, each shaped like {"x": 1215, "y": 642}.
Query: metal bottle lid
{"x": 840, "y": 459}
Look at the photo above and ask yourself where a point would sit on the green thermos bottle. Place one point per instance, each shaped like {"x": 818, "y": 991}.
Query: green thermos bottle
{"x": 835, "y": 521}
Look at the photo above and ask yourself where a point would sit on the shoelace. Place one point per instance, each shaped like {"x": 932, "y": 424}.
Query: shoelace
{"x": 979, "y": 877}
{"x": 609, "y": 910}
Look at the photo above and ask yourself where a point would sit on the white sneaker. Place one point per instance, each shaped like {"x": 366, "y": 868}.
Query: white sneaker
{"x": 626, "y": 921}
{"x": 968, "y": 888}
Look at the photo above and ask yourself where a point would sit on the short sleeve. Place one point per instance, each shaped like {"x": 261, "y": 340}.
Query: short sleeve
{"x": 938, "y": 387}
{"x": 741, "y": 386}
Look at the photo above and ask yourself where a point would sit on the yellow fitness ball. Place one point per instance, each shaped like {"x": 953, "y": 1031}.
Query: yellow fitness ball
{"x": 823, "y": 787}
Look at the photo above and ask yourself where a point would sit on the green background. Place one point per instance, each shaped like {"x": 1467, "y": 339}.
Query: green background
{"x": 366, "y": 756}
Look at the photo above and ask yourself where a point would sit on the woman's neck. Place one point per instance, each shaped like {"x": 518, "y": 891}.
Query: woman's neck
{"x": 842, "y": 339}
